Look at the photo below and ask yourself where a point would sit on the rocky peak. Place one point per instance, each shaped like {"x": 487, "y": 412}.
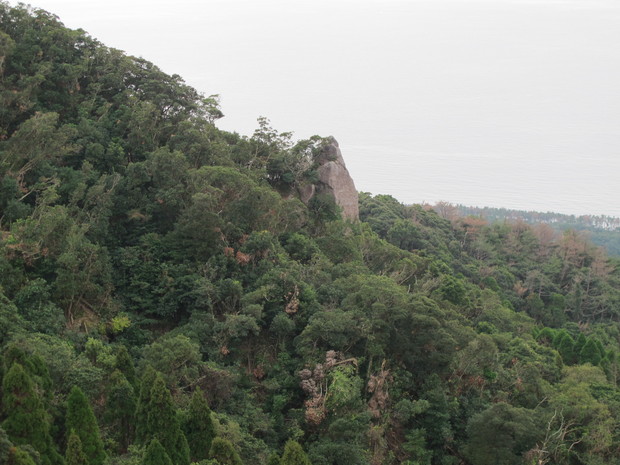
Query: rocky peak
{"x": 335, "y": 180}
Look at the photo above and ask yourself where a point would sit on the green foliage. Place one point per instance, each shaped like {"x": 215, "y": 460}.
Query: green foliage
{"x": 119, "y": 323}
{"x": 34, "y": 302}
{"x": 502, "y": 434}
{"x": 120, "y": 410}
{"x": 198, "y": 427}
{"x": 224, "y": 452}
{"x": 415, "y": 447}
{"x": 162, "y": 423}
{"x": 81, "y": 420}
{"x": 590, "y": 353}
{"x": 344, "y": 389}
{"x": 144, "y": 400}
{"x": 453, "y": 290}
{"x": 133, "y": 230}
{"x": 19, "y": 456}
{"x": 5, "y": 446}
{"x": 293, "y": 454}
{"x": 75, "y": 455}
{"x": 177, "y": 358}
{"x": 26, "y": 421}
{"x": 12, "y": 455}
{"x": 274, "y": 459}
{"x": 155, "y": 454}
{"x": 124, "y": 363}
{"x": 11, "y": 323}
{"x": 344, "y": 442}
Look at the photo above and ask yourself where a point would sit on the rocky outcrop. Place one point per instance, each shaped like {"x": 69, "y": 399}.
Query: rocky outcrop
{"x": 335, "y": 180}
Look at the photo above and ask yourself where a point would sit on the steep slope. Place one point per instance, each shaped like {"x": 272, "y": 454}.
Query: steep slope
{"x": 147, "y": 257}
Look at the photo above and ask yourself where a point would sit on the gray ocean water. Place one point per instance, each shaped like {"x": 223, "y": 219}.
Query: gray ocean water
{"x": 505, "y": 103}
{"x": 508, "y": 104}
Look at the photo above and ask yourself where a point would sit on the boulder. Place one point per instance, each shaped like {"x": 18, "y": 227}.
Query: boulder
{"x": 335, "y": 180}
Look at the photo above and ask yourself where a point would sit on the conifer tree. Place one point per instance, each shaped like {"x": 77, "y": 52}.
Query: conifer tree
{"x": 26, "y": 421}
{"x": 141, "y": 417}
{"x": 35, "y": 367}
{"x": 579, "y": 343}
{"x": 156, "y": 455}
{"x": 81, "y": 419}
{"x": 199, "y": 428}
{"x": 223, "y": 451}
{"x": 566, "y": 349}
{"x": 75, "y": 455}
{"x": 11, "y": 455}
{"x": 120, "y": 409}
{"x": 162, "y": 423}
{"x": 124, "y": 364}
{"x": 590, "y": 353}
{"x": 294, "y": 454}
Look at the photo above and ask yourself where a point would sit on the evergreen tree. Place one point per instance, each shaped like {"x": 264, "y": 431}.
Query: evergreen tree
{"x": 163, "y": 425}
{"x": 223, "y": 451}
{"x": 199, "y": 428}
{"x": 141, "y": 417}
{"x": 26, "y": 421}
{"x": 156, "y": 455}
{"x": 590, "y": 353}
{"x": 81, "y": 419}
{"x": 566, "y": 346}
{"x": 34, "y": 365}
{"x": 11, "y": 455}
{"x": 580, "y": 343}
{"x": 124, "y": 364}
{"x": 75, "y": 455}
{"x": 294, "y": 454}
{"x": 120, "y": 409}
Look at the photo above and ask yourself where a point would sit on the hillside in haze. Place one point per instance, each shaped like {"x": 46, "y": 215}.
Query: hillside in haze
{"x": 170, "y": 295}
{"x": 601, "y": 229}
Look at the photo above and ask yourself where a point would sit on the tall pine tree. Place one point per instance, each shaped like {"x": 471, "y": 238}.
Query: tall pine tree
{"x": 75, "y": 455}
{"x": 163, "y": 425}
{"x": 34, "y": 365}
{"x": 81, "y": 419}
{"x": 590, "y": 353}
{"x": 124, "y": 364}
{"x": 155, "y": 454}
{"x": 199, "y": 428}
{"x": 224, "y": 452}
{"x": 11, "y": 455}
{"x": 26, "y": 421}
{"x": 120, "y": 410}
{"x": 142, "y": 410}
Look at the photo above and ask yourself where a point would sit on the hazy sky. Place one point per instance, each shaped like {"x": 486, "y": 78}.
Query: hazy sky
{"x": 512, "y": 103}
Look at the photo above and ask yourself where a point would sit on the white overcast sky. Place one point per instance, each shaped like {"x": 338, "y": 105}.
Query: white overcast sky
{"x": 512, "y": 103}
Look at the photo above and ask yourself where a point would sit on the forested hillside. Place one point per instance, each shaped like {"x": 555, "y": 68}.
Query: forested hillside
{"x": 602, "y": 230}
{"x": 166, "y": 298}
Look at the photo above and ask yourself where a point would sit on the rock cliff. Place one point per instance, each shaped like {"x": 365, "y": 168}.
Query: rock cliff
{"x": 335, "y": 180}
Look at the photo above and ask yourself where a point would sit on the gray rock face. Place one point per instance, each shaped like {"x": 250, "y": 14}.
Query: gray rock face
{"x": 306, "y": 192}
{"x": 336, "y": 180}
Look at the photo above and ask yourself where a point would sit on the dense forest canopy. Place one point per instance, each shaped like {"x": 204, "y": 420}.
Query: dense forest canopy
{"x": 166, "y": 298}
